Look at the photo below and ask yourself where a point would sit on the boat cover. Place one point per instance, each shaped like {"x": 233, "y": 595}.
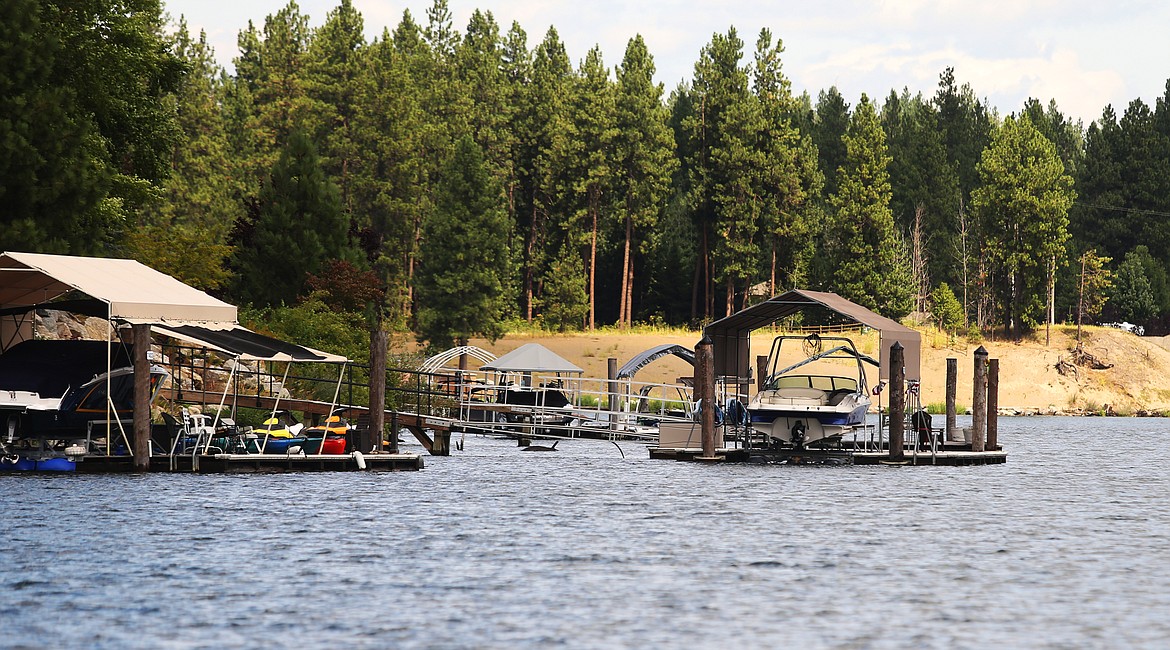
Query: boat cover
{"x": 645, "y": 358}
{"x": 244, "y": 343}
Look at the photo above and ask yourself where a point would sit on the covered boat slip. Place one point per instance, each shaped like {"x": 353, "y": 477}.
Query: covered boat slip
{"x": 133, "y": 300}
{"x": 723, "y": 361}
{"x": 731, "y": 336}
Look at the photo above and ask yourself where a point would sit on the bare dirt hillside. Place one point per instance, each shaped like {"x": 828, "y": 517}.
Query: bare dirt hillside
{"x": 1139, "y": 379}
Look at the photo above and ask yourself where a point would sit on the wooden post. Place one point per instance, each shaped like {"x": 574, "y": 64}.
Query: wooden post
{"x": 140, "y": 335}
{"x": 394, "y": 432}
{"x": 992, "y": 404}
{"x": 378, "y": 344}
{"x": 442, "y": 444}
{"x": 761, "y": 372}
{"x": 897, "y": 399}
{"x": 611, "y": 405}
{"x": 952, "y": 388}
{"x": 979, "y": 401}
{"x": 705, "y": 392}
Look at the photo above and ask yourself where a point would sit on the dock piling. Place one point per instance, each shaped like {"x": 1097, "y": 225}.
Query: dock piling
{"x": 993, "y": 404}
{"x": 140, "y": 335}
{"x": 897, "y": 400}
{"x": 705, "y": 392}
{"x": 379, "y": 342}
{"x": 394, "y": 431}
{"x": 979, "y": 401}
{"x": 953, "y": 434}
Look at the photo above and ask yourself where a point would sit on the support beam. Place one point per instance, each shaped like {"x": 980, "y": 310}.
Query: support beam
{"x": 140, "y": 337}
{"x": 761, "y": 371}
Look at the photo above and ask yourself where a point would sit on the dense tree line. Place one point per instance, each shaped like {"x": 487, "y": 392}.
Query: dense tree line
{"x": 469, "y": 178}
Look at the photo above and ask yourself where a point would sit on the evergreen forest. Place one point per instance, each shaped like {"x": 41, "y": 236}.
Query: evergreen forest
{"x": 454, "y": 181}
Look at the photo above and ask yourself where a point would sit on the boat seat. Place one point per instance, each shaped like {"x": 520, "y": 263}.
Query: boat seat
{"x": 795, "y": 395}
{"x": 836, "y": 396}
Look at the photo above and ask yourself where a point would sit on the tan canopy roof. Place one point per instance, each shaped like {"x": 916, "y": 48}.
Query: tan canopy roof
{"x": 732, "y": 335}
{"x": 134, "y": 292}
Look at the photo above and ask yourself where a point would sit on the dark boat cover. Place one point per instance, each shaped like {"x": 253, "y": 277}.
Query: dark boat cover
{"x": 647, "y": 357}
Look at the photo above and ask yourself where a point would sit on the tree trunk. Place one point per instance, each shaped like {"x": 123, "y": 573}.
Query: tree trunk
{"x": 593, "y": 274}
{"x": 772, "y": 278}
{"x": 623, "y": 315}
{"x": 529, "y": 253}
{"x": 629, "y": 296}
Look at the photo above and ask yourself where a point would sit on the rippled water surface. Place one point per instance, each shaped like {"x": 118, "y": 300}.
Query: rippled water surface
{"x": 1065, "y": 546}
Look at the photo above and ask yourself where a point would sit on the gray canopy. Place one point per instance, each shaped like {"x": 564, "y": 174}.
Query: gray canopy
{"x": 532, "y": 357}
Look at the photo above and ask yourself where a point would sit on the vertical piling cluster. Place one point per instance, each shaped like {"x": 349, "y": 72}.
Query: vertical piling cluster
{"x": 984, "y": 402}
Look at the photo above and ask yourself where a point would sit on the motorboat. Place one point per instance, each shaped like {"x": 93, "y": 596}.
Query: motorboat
{"x": 815, "y": 401}
{"x": 55, "y": 399}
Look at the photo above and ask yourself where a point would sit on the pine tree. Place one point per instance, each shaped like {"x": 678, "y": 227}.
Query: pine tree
{"x": 334, "y": 63}
{"x": 966, "y": 127}
{"x": 723, "y": 132}
{"x": 830, "y": 122}
{"x": 789, "y": 179}
{"x": 590, "y": 171}
{"x": 391, "y": 182}
{"x": 85, "y": 125}
{"x": 862, "y": 249}
{"x": 1023, "y": 203}
{"x": 300, "y": 226}
{"x": 546, "y": 136}
{"x": 460, "y": 280}
{"x": 564, "y": 303}
{"x": 643, "y": 161}
{"x": 924, "y": 184}
{"x": 185, "y": 232}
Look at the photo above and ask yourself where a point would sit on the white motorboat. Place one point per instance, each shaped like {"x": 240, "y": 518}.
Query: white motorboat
{"x": 815, "y": 401}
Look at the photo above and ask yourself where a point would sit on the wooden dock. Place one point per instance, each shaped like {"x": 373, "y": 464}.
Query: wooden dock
{"x": 949, "y": 457}
{"x": 255, "y": 463}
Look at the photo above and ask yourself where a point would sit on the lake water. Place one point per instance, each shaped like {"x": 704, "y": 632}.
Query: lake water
{"x": 1065, "y": 546}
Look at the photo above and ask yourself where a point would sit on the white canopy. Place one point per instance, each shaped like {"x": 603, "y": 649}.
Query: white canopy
{"x": 134, "y": 292}
{"x": 532, "y": 357}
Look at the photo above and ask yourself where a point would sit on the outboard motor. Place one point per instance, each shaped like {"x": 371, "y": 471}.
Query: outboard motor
{"x": 798, "y": 434}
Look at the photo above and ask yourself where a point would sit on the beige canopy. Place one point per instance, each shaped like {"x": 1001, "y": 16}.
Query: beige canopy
{"x": 134, "y": 292}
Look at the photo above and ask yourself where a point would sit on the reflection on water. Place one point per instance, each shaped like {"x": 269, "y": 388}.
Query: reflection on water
{"x": 1064, "y": 546}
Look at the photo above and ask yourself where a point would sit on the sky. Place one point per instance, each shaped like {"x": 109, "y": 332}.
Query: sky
{"x": 1085, "y": 54}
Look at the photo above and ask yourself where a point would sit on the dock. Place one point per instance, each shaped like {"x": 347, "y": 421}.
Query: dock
{"x": 255, "y": 463}
{"x": 951, "y": 457}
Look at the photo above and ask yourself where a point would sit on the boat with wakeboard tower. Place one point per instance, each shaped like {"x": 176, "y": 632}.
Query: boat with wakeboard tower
{"x": 815, "y": 401}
